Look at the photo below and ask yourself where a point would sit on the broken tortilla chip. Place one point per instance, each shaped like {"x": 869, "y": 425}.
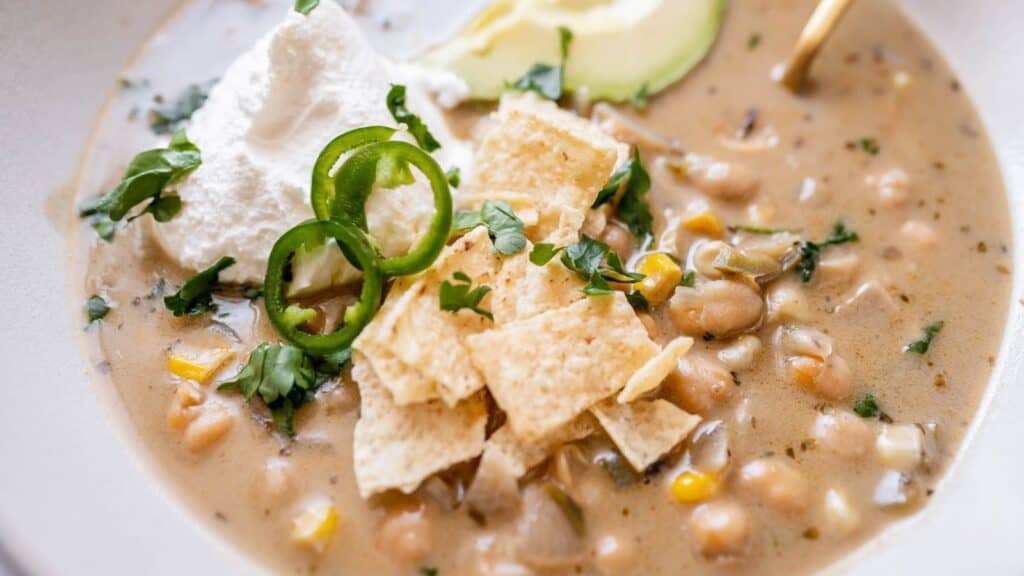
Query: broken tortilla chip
{"x": 546, "y": 370}
{"x": 560, "y": 159}
{"x": 413, "y": 329}
{"x": 649, "y": 376}
{"x": 523, "y": 290}
{"x": 644, "y": 431}
{"x": 507, "y": 458}
{"x": 397, "y": 447}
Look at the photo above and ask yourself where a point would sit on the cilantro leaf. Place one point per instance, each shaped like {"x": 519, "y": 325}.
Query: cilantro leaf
{"x": 810, "y": 252}
{"x": 466, "y": 220}
{"x": 428, "y": 571}
{"x": 163, "y": 208}
{"x": 922, "y": 344}
{"x": 635, "y": 183}
{"x": 867, "y": 406}
{"x": 147, "y": 175}
{"x": 454, "y": 176}
{"x": 633, "y": 208}
{"x": 96, "y": 308}
{"x": 544, "y": 79}
{"x": 306, "y": 6}
{"x": 461, "y": 294}
{"x": 591, "y": 260}
{"x": 285, "y": 378}
{"x": 547, "y": 80}
{"x": 194, "y": 298}
{"x": 402, "y": 115}
{"x": 169, "y": 118}
{"x": 543, "y": 252}
{"x": 504, "y": 227}
{"x": 638, "y": 301}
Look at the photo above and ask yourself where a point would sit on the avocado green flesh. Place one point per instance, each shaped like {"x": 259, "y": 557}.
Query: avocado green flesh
{"x": 618, "y": 45}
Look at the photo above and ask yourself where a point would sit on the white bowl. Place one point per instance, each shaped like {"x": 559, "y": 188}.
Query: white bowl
{"x": 76, "y": 493}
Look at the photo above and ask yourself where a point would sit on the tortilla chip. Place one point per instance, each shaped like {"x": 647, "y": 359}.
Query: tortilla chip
{"x": 562, "y": 160}
{"x": 397, "y": 447}
{"x": 523, "y": 289}
{"x": 644, "y": 431}
{"x": 506, "y": 459}
{"x": 546, "y": 370}
{"x": 651, "y": 374}
{"x": 412, "y": 328}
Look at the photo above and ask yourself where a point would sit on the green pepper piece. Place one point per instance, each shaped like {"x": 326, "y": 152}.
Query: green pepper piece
{"x": 355, "y": 245}
{"x": 323, "y": 187}
{"x": 354, "y": 184}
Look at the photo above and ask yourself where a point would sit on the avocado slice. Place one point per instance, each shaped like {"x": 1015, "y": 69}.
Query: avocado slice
{"x": 618, "y": 45}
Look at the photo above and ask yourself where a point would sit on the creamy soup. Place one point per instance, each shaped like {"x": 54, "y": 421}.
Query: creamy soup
{"x": 840, "y": 260}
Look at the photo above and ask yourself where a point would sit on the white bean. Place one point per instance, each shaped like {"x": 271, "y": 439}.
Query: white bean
{"x": 211, "y": 425}
{"x": 777, "y": 483}
{"x": 843, "y": 433}
{"x": 614, "y": 555}
{"x": 405, "y": 535}
{"x": 720, "y": 528}
{"x": 740, "y": 355}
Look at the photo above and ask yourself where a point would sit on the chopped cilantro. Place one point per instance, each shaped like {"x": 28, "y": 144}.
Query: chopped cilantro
{"x": 638, "y": 301}
{"x": 867, "y": 406}
{"x": 402, "y": 115}
{"x": 870, "y": 145}
{"x": 547, "y": 80}
{"x": 754, "y": 41}
{"x": 632, "y": 207}
{"x": 641, "y": 97}
{"x": 810, "y": 252}
{"x": 169, "y": 118}
{"x": 195, "y": 296}
{"x": 147, "y": 175}
{"x": 591, "y": 260}
{"x": 96, "y": 308}
{"x": 922, "y": 344}
{"x": 461, "y": 294}
{"x": 428, "y": 571}
{"x": 505, "y": 228}
{"x": 454, "y": 176}
{"x": 543, "y": 252}
{"x": 689, "y": 279}
{"x": 306, "y": 6}
{"x": 163, "y": 208}
{"x": 285, "y": 377}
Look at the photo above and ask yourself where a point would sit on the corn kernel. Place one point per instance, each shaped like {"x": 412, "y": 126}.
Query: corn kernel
{"x": 692, "y": 486}
{"x": 705, "y": 223}
{"x": 198, "y": 369}
{"x": 315, "y": 527}
{"x": 662, "y": 275}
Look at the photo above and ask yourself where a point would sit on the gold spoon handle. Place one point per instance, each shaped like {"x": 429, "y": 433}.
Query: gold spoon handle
{"x": 818, "y": 28}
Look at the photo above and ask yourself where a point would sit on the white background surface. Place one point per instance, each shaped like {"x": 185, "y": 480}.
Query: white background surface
{"x": 75, "y": 500}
